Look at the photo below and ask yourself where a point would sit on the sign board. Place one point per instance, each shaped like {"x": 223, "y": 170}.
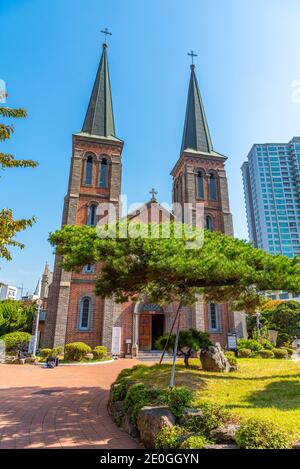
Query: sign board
{"x": 272, "y": 336}
{"x": 116, "y": 341}
{"x": 232, "y": 342}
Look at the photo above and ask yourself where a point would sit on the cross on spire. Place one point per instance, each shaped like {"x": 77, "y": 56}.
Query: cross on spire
{"x": 106, "y": 33}
{"x": 192, "y": 54}
{"x": 153, "y": 192}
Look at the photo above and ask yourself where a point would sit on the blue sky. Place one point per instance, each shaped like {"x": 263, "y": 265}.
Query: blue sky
{"x": 248, "y": 57}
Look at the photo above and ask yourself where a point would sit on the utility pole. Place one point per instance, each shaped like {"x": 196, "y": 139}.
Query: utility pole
{"x": 38, "y": 310}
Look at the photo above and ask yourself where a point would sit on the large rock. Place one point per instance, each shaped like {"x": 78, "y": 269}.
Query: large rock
{"x": 213, "y": 359}
{"x": 116, "y": 410}
{"x": 9, "y": 359}
{"x": 189, "y": 413}
{"x": 151, "y": 420}
{"x": 225, "y": 433}
{"x": 128, "y": 424}
{"x": 223, "y": 446}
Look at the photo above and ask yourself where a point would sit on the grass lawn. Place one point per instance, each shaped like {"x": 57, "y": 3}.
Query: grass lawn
{"x": 268, "y": 389}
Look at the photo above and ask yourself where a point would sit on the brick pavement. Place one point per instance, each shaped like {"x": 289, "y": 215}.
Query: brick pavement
{"x": 63, "y": 407}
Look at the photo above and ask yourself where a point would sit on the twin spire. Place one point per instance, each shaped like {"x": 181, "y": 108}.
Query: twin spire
{"x": 99, "y": 119}
{"x": 196, "y": 134}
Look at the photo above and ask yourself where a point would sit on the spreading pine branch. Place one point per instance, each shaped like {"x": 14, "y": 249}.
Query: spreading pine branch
{"x": 8, "y": 161}
{"x": 14, "y": 113}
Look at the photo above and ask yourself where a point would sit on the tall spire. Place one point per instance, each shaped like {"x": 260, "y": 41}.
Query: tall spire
{"x": 196, "y": 134}
{"x": 99, "y": 119}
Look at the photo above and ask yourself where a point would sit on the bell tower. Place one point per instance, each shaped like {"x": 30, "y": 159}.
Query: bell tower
{"x": 74, "y": 312}
{"x": 199, "y": 176}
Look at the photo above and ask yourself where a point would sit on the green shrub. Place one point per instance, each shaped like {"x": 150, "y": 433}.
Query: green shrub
{"x": 260, "y": 434}
{"x": 212, "y": 416}
{"x": 124, "y": 374}
{"x": 280, "y": 353}
{"x": 100, "y": 352}
{"x": 231, "y": 358}
{"x": 290, "y": 350}
{"x": 194, "y": 442}
{"x": 16, "y": 340}
{"x": 137, "y": 369}
{"x": 56, "y": 351}
{"x": 169, "y": 437}
{"x": 177, "y": 399}
{"x": 76, "y": 351}
{"x": 138, "y": 395}
{"x": 119, "y": 391}
{"x": 266, "y": 353}
{"x": 251, "y": 344}
{"x": 267, "y": 345}
{"x": 244, "y": 353}
{"x": 45, "y": 352}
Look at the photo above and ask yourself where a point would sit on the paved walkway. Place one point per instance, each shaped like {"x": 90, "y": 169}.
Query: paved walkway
{"x": 63, "y": 407}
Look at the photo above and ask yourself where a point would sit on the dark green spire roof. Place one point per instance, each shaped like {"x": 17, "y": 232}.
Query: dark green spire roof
{"x": 196, "y": 134}
{"x": 99, "y": 119}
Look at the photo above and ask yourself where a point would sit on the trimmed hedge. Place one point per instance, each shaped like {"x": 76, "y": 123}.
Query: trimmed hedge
{"x": 76, "y": 351}
{"x": 244, "y": 353}
{"x": 194, "y": 442}
{"x": 169, "y": 437}
{"x": 100, "y": 352}
{"x": 231, "y": 358}
{"x": 45, "y": 352}
{"x": 261, "y": 434}
{"x": 280, "y": 353}
{"x": 15, "y": 340}
{"x": 266, "y": 353}
{"x": 177, "y": 399}
{"x": 212, "y": 416}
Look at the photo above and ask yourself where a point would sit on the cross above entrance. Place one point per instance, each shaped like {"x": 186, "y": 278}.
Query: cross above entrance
{"x": 153, "y": 192}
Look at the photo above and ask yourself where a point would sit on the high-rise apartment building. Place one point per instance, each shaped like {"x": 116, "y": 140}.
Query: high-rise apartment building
{"x": 271, "y": 178}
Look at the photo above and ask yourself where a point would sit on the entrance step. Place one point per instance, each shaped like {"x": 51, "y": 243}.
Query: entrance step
{"x": 153, "y": 356}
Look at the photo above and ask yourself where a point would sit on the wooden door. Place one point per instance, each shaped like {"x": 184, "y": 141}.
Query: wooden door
{"x": 145, "y": 332}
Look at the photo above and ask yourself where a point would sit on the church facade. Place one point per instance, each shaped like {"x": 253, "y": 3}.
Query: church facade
{"x": 74, "y": 313}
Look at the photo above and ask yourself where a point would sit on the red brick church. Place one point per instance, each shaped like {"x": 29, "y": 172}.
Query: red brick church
{"x": 74, "y": 313}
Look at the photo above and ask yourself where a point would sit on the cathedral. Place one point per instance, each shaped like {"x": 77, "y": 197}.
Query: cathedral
{"x": 74, "y": 313}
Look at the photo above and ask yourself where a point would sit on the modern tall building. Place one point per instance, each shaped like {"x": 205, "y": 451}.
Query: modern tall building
{"x": 272, "y": 194}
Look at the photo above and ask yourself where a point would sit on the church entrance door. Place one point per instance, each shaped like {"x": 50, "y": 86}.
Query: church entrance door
{"x": 157, "y": 327}
{"x": 145, "y": 332}
{"x": 151, "y": 326}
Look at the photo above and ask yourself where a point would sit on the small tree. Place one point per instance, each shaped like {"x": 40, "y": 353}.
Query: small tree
{"x": 16, "y": 316}
{"x": 189, "y": 342}
{"x": 8, "y": 226}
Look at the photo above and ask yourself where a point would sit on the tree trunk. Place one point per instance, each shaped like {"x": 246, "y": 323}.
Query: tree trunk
{"x": 186, "y": 360}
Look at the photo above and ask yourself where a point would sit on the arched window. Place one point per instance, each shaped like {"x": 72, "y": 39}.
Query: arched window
{"x": 92, "y": 216}
{"x": 85, "y": 313}
{"x": 209, "y": 223}
{"x": 103, "y": 176}
{"x": 89, "y": 269}
{"x": 212, "y": 187}
{"x": 88, "y": 176}
{"x": 214, "y": 317}
{"x": 200, "y": 190}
